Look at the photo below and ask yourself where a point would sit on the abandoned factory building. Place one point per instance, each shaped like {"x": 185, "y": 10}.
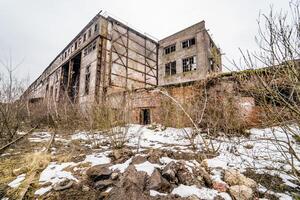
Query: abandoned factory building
{"x": 108, "y": 61}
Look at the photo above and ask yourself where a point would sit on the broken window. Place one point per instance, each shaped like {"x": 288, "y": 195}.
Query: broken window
{"x": 170, "y": 68}
{"x": 211, "y": 65}
{"x": 170, "y": 49}
{"x": 188, "y": 43}
{"x": 94, "y": 45}
{"x": 189, "y": 64}
{"x": 89, "y": 48}
{"x": 87, "y": 80}
{"x": 90, "y": 33}
{"x": 96, "y": 28}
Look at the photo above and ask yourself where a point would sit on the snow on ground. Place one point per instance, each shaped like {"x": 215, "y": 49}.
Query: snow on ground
{"x": 81, "y": 136}
{"x": 54, "y": 173}
{"x": 40, "y": 137}
{"x": 203, "y": 193}
{"x": 148, "y": 138}
{"x": 97, "y": 159}
{"x": 146, "y": 167}
{"x": 259, "y": 151}
{"x": 121, "y": 167}
{"x": 17, "y": 182}
{"x": 154, "y": 193}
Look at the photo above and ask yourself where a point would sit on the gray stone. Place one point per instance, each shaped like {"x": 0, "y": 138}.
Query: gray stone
{"x": 99, "y": 172}
{"x": 241, "y": 192}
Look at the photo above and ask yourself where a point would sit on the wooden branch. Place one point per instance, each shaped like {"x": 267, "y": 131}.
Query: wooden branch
{"x": 19, "y": 138}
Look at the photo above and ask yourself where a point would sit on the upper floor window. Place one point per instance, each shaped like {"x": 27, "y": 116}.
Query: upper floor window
{"x": 170, "y": 68}
{"x": 189, "y": 64}
{"x": 87, "y": 80}
{"x": 90, "y": 32}
{"x": 84, "y": 37}
{"x": 170, "y": 49}
{"x": 89, "y": 48}
{"x": 96, "y": 27}
{"x": 188, "y": 43}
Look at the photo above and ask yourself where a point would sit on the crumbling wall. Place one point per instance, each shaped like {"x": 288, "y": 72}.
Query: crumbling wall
{"x": 131, "y": 61}
{"x": 202, "y": 49}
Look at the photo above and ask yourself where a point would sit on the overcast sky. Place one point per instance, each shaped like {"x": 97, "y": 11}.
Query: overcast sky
{"x": 37, "y": 30}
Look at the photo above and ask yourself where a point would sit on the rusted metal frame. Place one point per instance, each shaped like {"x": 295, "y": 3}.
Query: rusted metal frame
{"x": 137, "y": 52}
{"x": 135, "y": 60}
{"x": 70, "y": 74}
{"x": 149, "y": 66}
{"x": 157, "y": 64}
{"x": 118, "y": 54}
{"x": 98, "y": 71}
{"x": 137, "y": 42}
{"x": 133, "y": 69}
{"x": 152, "y": 51}
{"x": 131, "y": 79}
{"x": 152, "y": 72}
{"x": 120, "y": 36}
{"x": 127, "y": 55}
{"x": 145, "y": 46}
{"x": 116, "y": 86}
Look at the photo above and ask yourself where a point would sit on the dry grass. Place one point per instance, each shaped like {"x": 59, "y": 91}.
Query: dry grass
{"x": 30, "y": 163}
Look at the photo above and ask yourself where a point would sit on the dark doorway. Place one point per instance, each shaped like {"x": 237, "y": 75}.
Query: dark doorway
{"x": 75, "y": 78}
{"x": 145, "y": 116}
{"x": 64, "y": 80}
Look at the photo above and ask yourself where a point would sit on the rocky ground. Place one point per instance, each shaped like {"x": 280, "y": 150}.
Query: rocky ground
{"x": 153, "y": 163}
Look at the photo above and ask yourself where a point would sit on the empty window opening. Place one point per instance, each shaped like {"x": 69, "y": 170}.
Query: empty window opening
{"x": 96, "y": 27}
{"x": 89, "y": 48}
{"x": 145, "y": 116}
{"x": 170, "y": 49}
{"x": 211, "y": 65}
{"x": 90, "y": 33}
{"x": 73, "y": 88}
{"x": 188, "y": 43}
{"x": 65, "y": 77}
{"x": 170, "y": 68}
{"x": 87, "y": 80}
{"x": 189, "y": 64}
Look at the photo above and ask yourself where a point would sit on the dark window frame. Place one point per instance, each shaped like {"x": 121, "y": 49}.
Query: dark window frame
{"x": 188, "y": 64}
{"x": 170, "y": 68}
{"x": 188, "y": 43}
{"x": 87, "y": 80}
{"x": 169, "y": 49}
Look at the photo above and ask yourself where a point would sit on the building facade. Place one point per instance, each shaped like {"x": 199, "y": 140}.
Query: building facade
{"x": 108, "y": 58}
{"x": 188, "y": 55}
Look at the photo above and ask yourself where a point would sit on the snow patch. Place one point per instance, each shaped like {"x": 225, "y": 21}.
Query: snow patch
{"x": 54, "y": 173}
{"x": 97, "y": 159}
{"x": 17, "y": 182}
{"x": 203, "y": 193}
{"x": 154, "y": 193}
{"x": 43, "y": 190}
{"x": 146, "y": 167}
{"x": 121, "y": 167}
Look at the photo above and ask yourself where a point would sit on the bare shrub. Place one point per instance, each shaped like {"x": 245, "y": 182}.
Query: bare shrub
{"x": 277, "y": 86}
{"x": 12, "y": 110}
{"x": 222, "y": 114}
